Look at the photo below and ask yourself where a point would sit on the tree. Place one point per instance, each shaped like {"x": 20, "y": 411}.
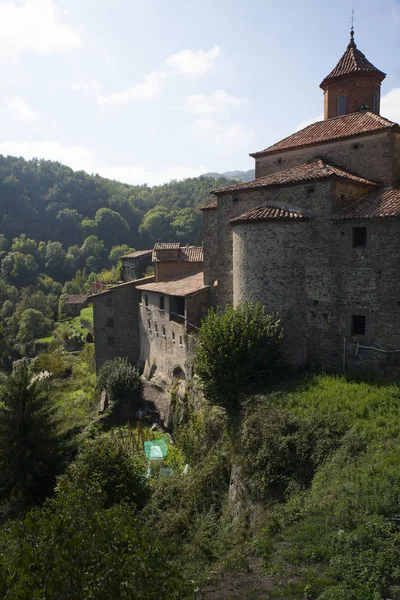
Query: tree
{"x": 55, "y": 259}
{"x": 236, "y": 349}
{"x": 19, "y": 269}
{"x": 92, "y": 252}
{"x": 117, "y": 251}
{"x": 120, "y": 380}
{"x": 111, "y": 227}
{"x": 24, "y": 245}
{"x": 32, "y": 326}
{"x": 69, "y": 226}
{"x": 30, "y": 450}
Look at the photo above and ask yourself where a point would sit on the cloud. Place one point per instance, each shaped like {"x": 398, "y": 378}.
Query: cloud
{"x": 390, "y": 105}
{"x": 77, "y": 157}
{"x": 33, "y": 26}
{"x": 87, "y": 86}
{"x": 228, "y": 138}
{"x": 151, "y": 85}
{"x": 188, "y": 62}
{"x": 21, "y": 109}
{"x": 217, "y": 103}
{"x": 138, "y": 175}
{"x": 307, "y": 122}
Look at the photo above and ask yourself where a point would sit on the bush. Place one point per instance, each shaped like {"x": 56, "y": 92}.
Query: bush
{"x": 120, "y": 380}
{"x": 236, "y": 349}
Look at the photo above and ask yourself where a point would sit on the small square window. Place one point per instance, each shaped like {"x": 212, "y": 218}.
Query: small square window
{"x": 146, "y": 300}
{"x": 358, "y": 325}
{"x": 156, "y": 328}
{"x": 359, "y": 237}
{"x": 110, "y": 342}
{"x": 162, "y": 302}
{"x": 173, "y": 336}
{"x": 310, "y": 190}
{"x": 180, "y": 341}
{"x": 163, "y": 331}
{"x": 235, "y": 199}
{"x": 110, "y": 322}
{"x": 109, "y": 301}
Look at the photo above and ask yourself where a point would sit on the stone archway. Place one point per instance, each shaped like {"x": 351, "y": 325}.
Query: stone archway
{"x": 179, "y": 373}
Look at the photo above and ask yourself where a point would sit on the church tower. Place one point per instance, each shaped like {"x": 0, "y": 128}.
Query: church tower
{"x": 353, "y": 85}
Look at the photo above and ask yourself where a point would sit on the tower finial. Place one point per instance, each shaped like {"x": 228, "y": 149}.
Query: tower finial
{"x": 352, "y": 43}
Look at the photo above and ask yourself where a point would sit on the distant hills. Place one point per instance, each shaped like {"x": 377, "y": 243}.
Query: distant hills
{"x": 238, "y": 175}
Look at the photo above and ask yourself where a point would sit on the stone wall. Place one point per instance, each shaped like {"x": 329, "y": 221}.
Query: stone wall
{"x": 196, "y": 308}
{"x": 116, "y": 322}
{"x": 210, "y": 247}
{"x": 367, "y": 156}
{"x": 396, "y": 158}
{"x": 134, "y": 268}
{"x": 165, "y": 347}
{"x": 173, "y": 270}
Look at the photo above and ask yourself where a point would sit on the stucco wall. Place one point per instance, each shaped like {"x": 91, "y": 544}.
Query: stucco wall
{"x": 372, "y": 158}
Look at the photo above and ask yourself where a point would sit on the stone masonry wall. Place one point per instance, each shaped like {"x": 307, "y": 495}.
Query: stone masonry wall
{"x": 367, "y": 156}
{"x": 116, "y": 322}
{"x": 196, "y": 308}
{"x": 173, "y": 270}
{"x": 162, "y": 351}
{"x": 210, "y": 247}
{"x": 396, "y": 158}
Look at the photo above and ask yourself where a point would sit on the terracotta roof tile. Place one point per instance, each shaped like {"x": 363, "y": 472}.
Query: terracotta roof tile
{"x": 137, "y": 254}
{"x": 338, "y": 128}
{"x": 382, "y": 203}
{"x": 311, "y": 171}
{"x": 74, "y": 298}
{"x": 184, "y": 254}
{"x": 167, "y": 246}
{"x": 210, "y": 205}
{"x": 184, "y": 286}
{"x": 352, "y": 61}
{"x": 269, "y": 213}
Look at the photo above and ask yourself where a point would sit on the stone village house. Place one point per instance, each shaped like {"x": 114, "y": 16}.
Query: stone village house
{"x": 315, "y": 238}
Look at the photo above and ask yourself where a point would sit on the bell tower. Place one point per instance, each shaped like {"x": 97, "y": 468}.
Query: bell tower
{"x": 353, "y": 85}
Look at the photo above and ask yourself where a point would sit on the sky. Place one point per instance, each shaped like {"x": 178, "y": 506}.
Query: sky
{"x": 146, "y": 91}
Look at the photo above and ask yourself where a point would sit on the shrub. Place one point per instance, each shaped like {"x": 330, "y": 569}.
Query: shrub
{"x": 120, "y": 380}
{"x": 236, "y": 349}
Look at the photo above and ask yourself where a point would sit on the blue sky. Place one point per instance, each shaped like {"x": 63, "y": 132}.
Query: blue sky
{"x": 145, "y": 91}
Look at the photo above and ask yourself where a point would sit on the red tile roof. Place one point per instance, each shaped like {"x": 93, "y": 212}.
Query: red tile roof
{"x": 185, "y": 286}
{"x": 184, "y": 254}
{"x": 382, "y": 203}
{"x": 167, "y": 246}
{"x": 352, "y": 61}
{"x": 311, "y": 171}
{"x": 210, "y": 205}
{"x": 137, "y": 254}
{"x": 268, "y": 213}
{"x": 338, "y": 128}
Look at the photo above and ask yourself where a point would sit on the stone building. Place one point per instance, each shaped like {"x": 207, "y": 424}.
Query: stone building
{"x": 315, "y": 237}
{"x": 135, "y": 264}
{"x": 150, "y": 320}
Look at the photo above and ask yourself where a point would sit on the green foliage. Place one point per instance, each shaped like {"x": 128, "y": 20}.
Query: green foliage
{"x": 236, "y": 350}
{"x": 120, "y": 380}
{"x": 33, "y": 325}
{"x": 85, "y": 545}
{"x": 30, "y": 450}
{"x": 117, "y": 251}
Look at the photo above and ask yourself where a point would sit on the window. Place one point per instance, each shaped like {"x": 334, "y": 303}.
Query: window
{"x": 156, "y": 328}
{"x": 146, "y": 300}
{"x": 310, "y": 190}
{"x": 180, "y": 341}
{"x": 173, "y": 336}
{"x": 109, "y": 301}
{"x": 149, "y": 325}
{"x": 376, "y": 103}
{"x": 359, "y": 237}
{"x": 110, "y": 322}
{"x": 110, "y": 342}
{"x": 357, "y": 325}
{"x": 163, "y": 331}
{"x": 342, "y": 105}
{"x": 235, "y": 199}
{"x": 162, "y": 302}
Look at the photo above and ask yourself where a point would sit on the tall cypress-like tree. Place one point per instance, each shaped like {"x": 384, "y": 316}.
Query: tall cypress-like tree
{"x": 30, "y": 449}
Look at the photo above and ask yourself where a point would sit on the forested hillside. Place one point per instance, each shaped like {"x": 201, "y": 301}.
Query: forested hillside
{"x": 60, "y": 230}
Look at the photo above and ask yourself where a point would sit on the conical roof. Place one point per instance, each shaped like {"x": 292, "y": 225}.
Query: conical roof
{"x": 353, "y": 61}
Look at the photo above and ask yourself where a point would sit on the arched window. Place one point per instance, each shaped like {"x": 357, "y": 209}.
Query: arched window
{"x": 376, "y": 103}
{"x": 342, "y": 105}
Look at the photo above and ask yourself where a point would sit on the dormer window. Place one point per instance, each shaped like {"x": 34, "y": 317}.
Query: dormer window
{"x": 342, "y": 105}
